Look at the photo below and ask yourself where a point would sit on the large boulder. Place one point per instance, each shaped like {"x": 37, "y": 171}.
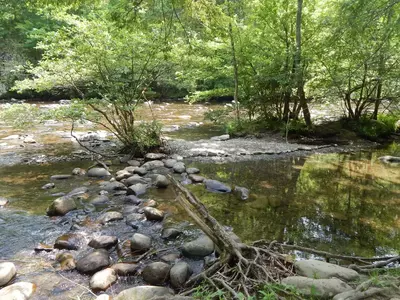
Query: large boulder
{"x": 200, "y": 247}
{"x": 69, "y": 241}
{"x": 216, "y": 186}
{"x": 104, "y": 241}
{"x": 61, "y": 206}
{"x": 153, "y": 214}
{"x": 7, "y": 272}
{"x": 323, "y": 270}
{"x": 98, "y": 172}
{"x": 161, "y": 181}
{"x": 103, "y": 279}
{"x": 93, "y": 262}
{"x": 146, "y": 292}
{"x": 179, "y": 274}
{"x": 156, "y": 273}
{"x": 140, "y": 243}
{"x": 110, "y": 216}
{"x": 137, "y": 189}
{"x": 321, "y": 288}
{"x": 18, "y": 291}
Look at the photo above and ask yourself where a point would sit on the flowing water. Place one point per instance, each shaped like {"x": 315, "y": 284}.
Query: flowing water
{"x": 343, "y": 203}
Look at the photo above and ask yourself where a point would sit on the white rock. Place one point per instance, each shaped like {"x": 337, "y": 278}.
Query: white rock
{"x": 103, "y": 279}
{"x": 103, "y": 297}
{"x": 7, "y": 272}
{"x": 18, "y": 291}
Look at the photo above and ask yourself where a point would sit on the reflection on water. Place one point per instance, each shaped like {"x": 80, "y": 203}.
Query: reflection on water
{"x": 342, "y": 203}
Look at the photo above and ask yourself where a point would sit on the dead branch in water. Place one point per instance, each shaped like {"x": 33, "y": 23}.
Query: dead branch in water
{"x": 240, "y": 268}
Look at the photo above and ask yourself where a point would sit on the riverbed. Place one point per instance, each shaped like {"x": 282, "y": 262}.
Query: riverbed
{"x": 347, "y": 203}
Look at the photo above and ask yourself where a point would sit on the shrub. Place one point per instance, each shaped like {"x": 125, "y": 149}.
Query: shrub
{"x": 21, "y": 115}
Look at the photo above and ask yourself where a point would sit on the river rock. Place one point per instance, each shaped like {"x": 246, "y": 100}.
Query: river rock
{"x": 161, "y": 181}
{"x": 7, "y": 272}
{"x": 169, "y": 163}
{"x": 69, "y": 241}
{"x": 132, "y": 199}
{"x": 179, "y": 167}
{"x": 170, "y": 233}
{"x": 161, "y": 171}
{"x": 196, "y": 178}
{"x": 242, "y": 192}
{"x": 60, "y": 177}
{"x": 179, "y": 274}
{"x": 78, "y": 191}
{"x": 323, "y": 288}
{"x": 18, "y": 291}
{"x": 153, "y": 214}
{"x": 123, "y": 174}
{"x": 66, "y": 260}
{"x": 98, "y": 172}
{"x": 113, "y": 186}
{"x": 200, "y": 247}
{"x": 192, "y": 171}
{"x": 171, "y": 257}
{"x": 103, "y": 297}
{"x": 323, "y": 270}
{"x": 29, "y": 140}
{"x": 154, "y": 156}
{"x": 125, "y": 269}
{"x": 151, "y": 203}
{"x": 134, "y": 217}
{"x": 140, "y": 243}
{"x": 389, "y": 159}
{"x": 223, "y": 137}
{"x": 216, "y": 186}
{"x": 156, "y": 273}
{"x": 150, "y": 165}
{"x": 146, "y": 292}
{"x": 61, "y": 206}
{"x": 130, "y": 169}
{"x": 103, "y": 279}
{"x": 134, "y": 163}
{"x": 110, "y": 216}
{"x": 93, "y": 262}
{"x": 78, "y": 172}
{"x": 101, "y": 199}
{"x": 140, "y": 171}
{"x": 135, "y": 179}
{"x": 3, "y": 201}
{"x": 48, "y": 186}
{"x": 137, "y": 189}
{"x": 104, "y": 241}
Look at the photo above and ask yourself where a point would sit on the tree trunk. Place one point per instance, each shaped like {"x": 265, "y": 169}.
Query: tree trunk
{"x": 299, "y": 67}
{"x": 235, "y": 73}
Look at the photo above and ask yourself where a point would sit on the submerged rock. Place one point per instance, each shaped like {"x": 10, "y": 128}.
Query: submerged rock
{"x": 156, "y": 273}
{"x": 69, "y": 241}
{"x": 98, "y": 172}
{"x": 93, "y": 262}
{"x": 323, "y": 270}
{"x": 324, "y": 288}
{"x": 216, "y": 186}
{"x": 102, "y": 280}
{"x": 146, "y": 292}
{"x": 200, "y": 247}
{"x": 18, "y": 291}
{"x": 61, "y": 206}
{"x": 7, "y": 272}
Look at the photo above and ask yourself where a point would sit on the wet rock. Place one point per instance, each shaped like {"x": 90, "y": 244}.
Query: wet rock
{"x": 78, "y": 172}
{"x": 113, "y": 186}
{"x": 60, "y": 177}
{"x": 179, "y": 167}
{"x": 200, "y": 247}
{"x": 43, "y": 247}
{"x": 67, "y": 261}
{"x": 137, "y": 189}
{"x": 153, "y": 214}
{"x": 145, "y": 292}
{"x": 98, "y": 172}
{"x": 123, "y": 174}
{"x": 101, "y": 199}
{"x": 29, "y": 140}
{"x": 134, "y": 163}
{"x": 154, "y": 156}
{"x": 323, "y": 270}
{"x": 3, "y": 201}
{"x": 125, "y": 269}
{"x": 161, "y": 181}
{"x": 192, "y": 171}
{"x": 140, "y": 171}
{"x": 132, "y": 199}
{"x": 151, "y": 203}
{"x": 103, "y": 279}
{"x": 93, "y": 262}
{"x": 7, "y": 272}
{"x": 196, "y": 178}
{"x": 185, "y": 180}
{"x": 156, "y": 273}
{"x": 140, "y": 243}
{"x": 171, "y": 257}
{"x": 170, "y": 233}
{"x": 18, "y": 291}
{"x": 110, "y": 216}
{"x": 78, "y": 191}
{"x": 69, "y": 241}
{"x": 216, "y": 186}
{"x": 179, "y": 274}
{"x": 60, "y": 194}
{"x": 223, "y": 137}
{"x": 390, "y": 159}
{"x": 134, "y": 217}
{"x": 48, "y": 186}
{"x": 61, "y": 206}
{"x": 150, "y": 165}
{"x": 242, "y": 192}
{"x": 135, "y": 179}
{"x": 104, "y": 241}
{"x": 161, "y": 171}
{"x": 169, "y": 163}
{"x": 324, "y": 288}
